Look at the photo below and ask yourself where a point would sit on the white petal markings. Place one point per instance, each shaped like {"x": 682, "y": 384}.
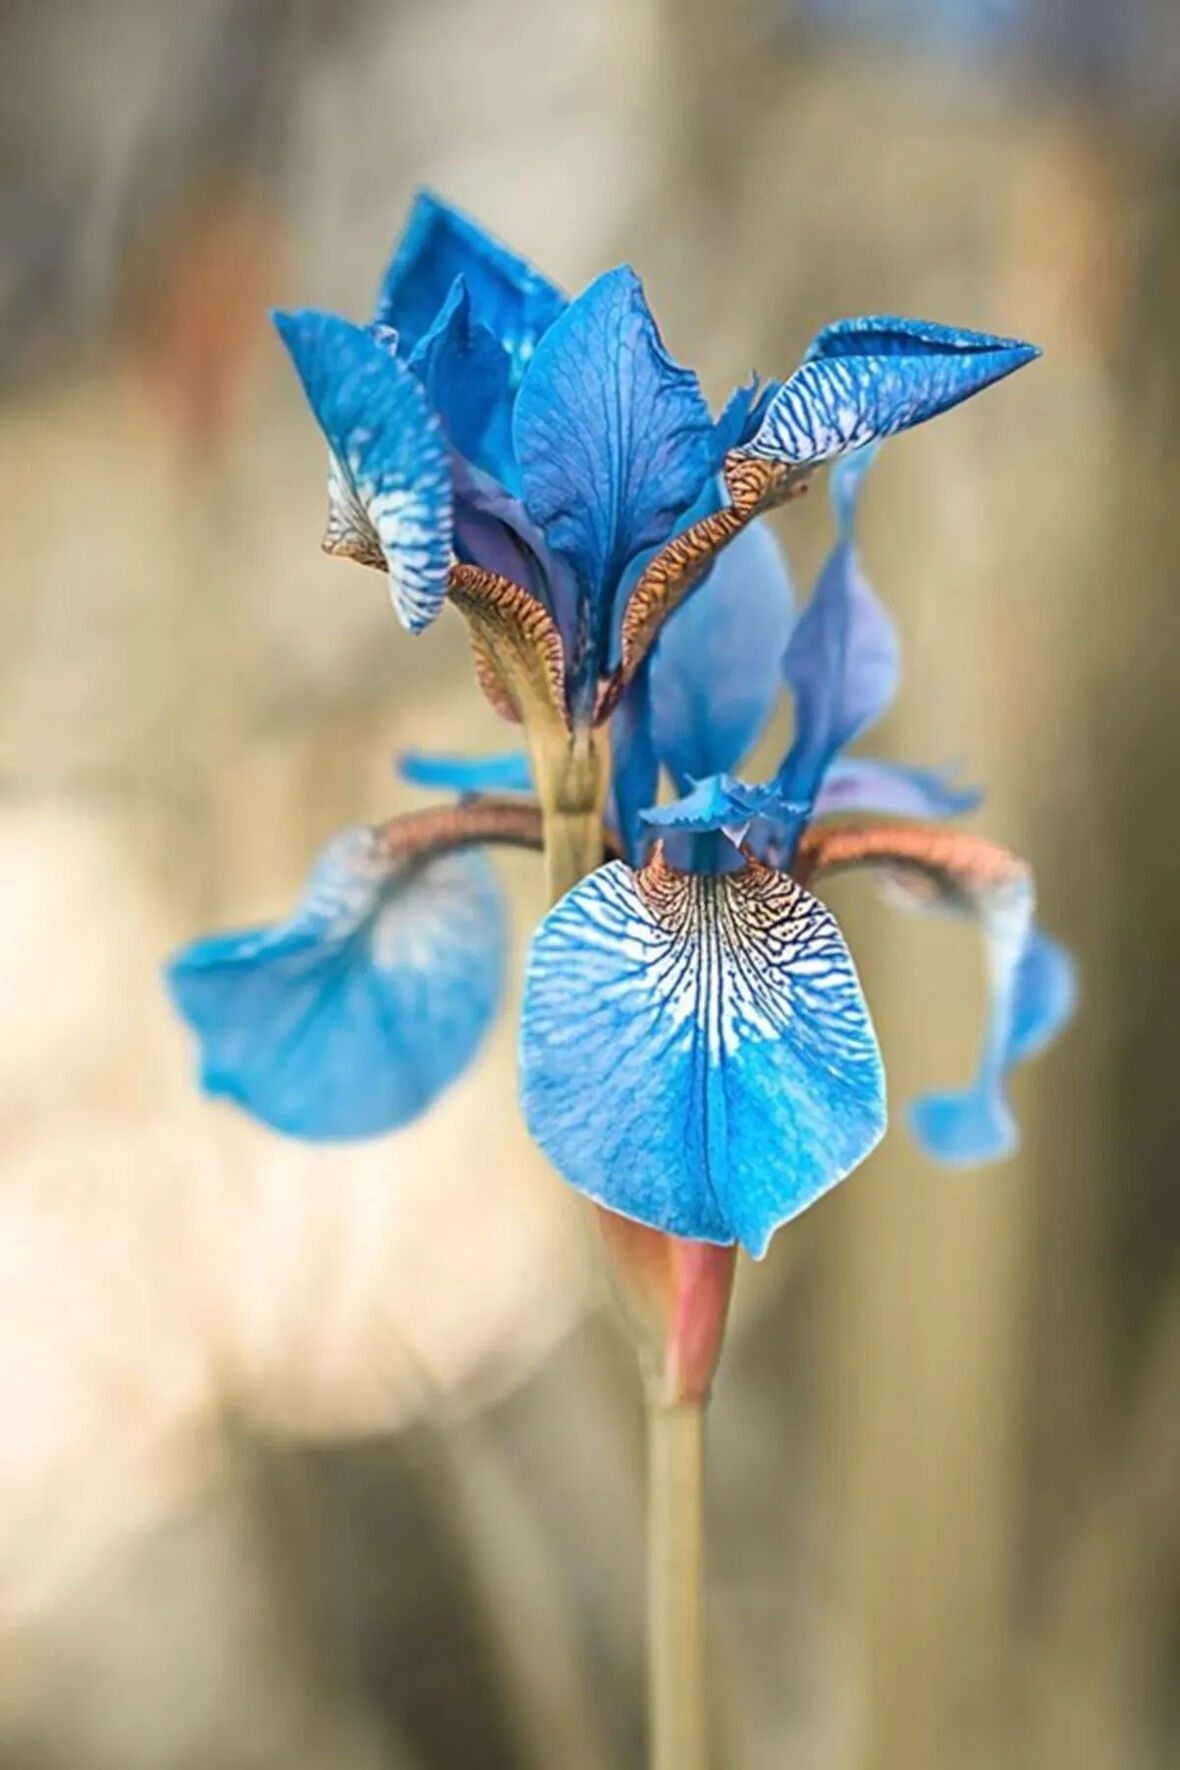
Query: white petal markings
{"x": 349, "y": 1018}
{"x": 868, "y": 378}
{"x": 389, "y": 476}
{"x": 696, "y": 1051}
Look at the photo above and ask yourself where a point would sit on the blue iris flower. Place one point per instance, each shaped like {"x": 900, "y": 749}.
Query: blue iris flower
{"x": 548, "y": 464}
{"x": 696, "y": 1051}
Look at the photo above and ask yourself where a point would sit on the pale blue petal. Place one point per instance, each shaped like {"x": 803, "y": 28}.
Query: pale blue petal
{"x": 466, "y": 373}
{"x": 843, "y": 664}
{"x": 696, "y": 1052}
{"x": 348, "y": 1019}
{"x": 1032, "y": 988}
{"x": 864, "y": 379}
{"x": 512, "y": 299}
{"x": 716, "y": 671}
{"x": 965, "y": 1128}
{"x": 466, "y": 774}
{"x": 390, "y": 485}
{"x": 1046, "y": 997}
{"x": 612, "y": 437}
{"x": 891, "y": 789}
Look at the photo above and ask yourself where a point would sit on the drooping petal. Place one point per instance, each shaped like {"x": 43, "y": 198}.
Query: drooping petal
{"x": 1045, "y": 998}
{"x": 864, "y": 379}
{"x": 975, "y": 1123}
{"x": 716, "y": 671}
{"x": 466, "y": 774}
{"x": 466, "y": 373}
{"x": 512, "y": 299}
{"x": 1033, "y": 993}
{"x": 891, "y": 789}
{"x": 1031, "y": 979}
{"x": 612, "y": 437}
{"x": 390, "y": 482}
{"x": 696, "y": 1052}
{"x": 348, "y": 1019}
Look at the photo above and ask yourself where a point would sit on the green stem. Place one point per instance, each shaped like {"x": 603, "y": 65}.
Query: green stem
{"x": 675, "y": 1599}
{"x": 572, "y": 785}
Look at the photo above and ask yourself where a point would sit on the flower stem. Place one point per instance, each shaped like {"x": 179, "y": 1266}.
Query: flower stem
{"x": 573, "y": 848}
{"x": 675, "y": 1297}
{"x": 675, "y": 1483}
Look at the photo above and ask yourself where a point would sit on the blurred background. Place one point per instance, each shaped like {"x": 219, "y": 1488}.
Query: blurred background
{"x": 318, "y": 1458}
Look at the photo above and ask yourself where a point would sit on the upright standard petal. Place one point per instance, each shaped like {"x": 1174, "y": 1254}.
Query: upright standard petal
{"x": 466, "y": 373}
{"x": 348, "y": 1019}
{"x": 390, "y": 482}
{"x": 466, "y": 774}
{"x": 843, "y": 665}
{"x": 635, "y": 769}
{"x": 864, "y": 379}
{"x": 512, "y": 299}
{"x": 696, "y": 1052}
{"x": 716, "y": 671}
{"x": 612, "y": 437}
{"x": 751, "y": 487}
{"x": 1032, "y": 981}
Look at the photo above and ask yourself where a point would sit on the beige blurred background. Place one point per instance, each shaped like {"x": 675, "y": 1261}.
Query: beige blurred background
{"x": 330, "y": 1458}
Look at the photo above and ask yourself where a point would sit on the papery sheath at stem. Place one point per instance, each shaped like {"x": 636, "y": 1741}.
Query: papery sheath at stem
{"x": 674, "y": 1295}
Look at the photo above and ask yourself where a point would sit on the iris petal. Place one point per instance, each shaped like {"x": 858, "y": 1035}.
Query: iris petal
{"x": 466, "y": 774}
{"x": 1033, "y": 992}
{"x": 612, "y": 437}
{"x": 348, "y": 1019}
{"x": 1046, "y": 996}
{"x": 635, "y": 768}
{"x": 512, "y": 299}
{"x": 390, "y": 482}
{"x": 466, "y": 373}
{"x": 962, "y": 1126}
{"x": 891, "y": 789}
{"x": 696, "y": 1052}
{"x": 843, "y": 664}
{"x": 716, "y": 672}
{"x": 864, "y": 379}
{"x": 1032, "y": 981}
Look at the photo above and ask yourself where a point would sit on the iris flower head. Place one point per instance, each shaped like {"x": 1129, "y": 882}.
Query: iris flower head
{"x": 696, "y": 1052}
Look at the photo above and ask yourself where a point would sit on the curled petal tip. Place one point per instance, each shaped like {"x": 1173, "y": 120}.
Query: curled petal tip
{"x": 389, "y": 489}
{"x": 867, "y": 378}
